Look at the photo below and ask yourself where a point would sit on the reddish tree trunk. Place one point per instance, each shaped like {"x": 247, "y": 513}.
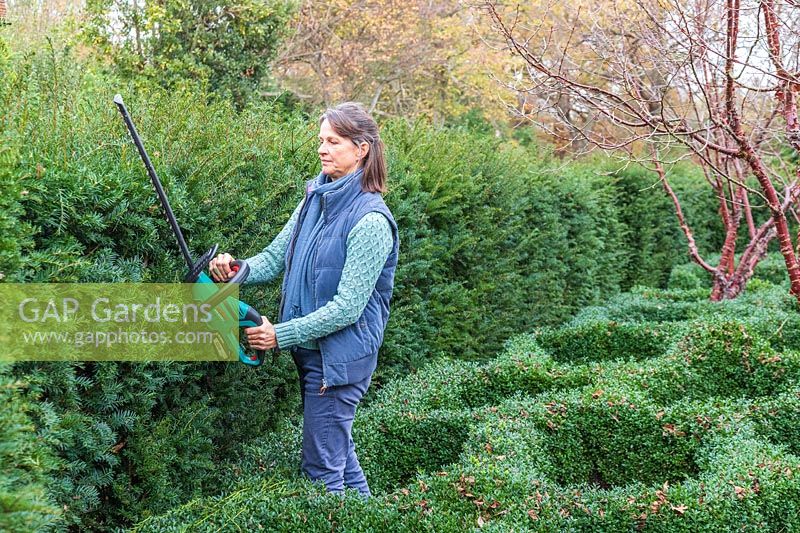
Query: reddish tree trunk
{"x": 672, "y": 79}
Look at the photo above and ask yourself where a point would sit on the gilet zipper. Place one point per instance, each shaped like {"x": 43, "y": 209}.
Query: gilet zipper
{"x": 314, "y": 294}
{"x": 316, "y": 248}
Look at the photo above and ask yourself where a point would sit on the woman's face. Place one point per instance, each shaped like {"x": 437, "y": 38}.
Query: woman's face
{"x": 339, "y": 155}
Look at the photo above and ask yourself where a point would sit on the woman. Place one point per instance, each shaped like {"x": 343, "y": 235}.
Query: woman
{"x": 339, "y": 251}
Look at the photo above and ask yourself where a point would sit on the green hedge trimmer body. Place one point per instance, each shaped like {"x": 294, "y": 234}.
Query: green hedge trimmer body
{"x": 204, "y": 289}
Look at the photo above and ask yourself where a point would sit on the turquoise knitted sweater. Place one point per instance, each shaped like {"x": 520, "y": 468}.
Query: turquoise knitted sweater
{"x": 368, "y": 247}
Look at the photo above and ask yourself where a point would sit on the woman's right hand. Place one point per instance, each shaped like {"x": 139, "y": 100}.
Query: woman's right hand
{"x": 220, "y": 268}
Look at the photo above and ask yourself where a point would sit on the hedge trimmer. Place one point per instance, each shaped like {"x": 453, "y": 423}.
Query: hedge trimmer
{"x": 248, "y": 317}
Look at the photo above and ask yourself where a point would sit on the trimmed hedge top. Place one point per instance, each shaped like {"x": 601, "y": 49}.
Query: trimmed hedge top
{"x": 568, "y": 429}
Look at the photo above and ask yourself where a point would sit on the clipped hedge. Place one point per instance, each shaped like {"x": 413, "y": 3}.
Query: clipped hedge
{"x": 778, "y": 419}
{"x": 420, "y": 423}
{"x": 724, "y": 477}
{"x": 601, "y": 437}
{"x": 524, "y": 366}
{"x": 458, "y": 198}
{"x": 700, "y": 435}
{"x": 724, "y": 359}
{"x": 656, "y": 243}
{"x": 768, "y": 311}
{"x": 138, "y": 438}
{"x": 599, "y": 340}
{"x": 771, "y": 269}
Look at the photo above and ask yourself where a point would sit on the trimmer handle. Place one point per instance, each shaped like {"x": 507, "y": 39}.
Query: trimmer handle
{"x": 242, "y": 270}
{"x": 248, "y": 318}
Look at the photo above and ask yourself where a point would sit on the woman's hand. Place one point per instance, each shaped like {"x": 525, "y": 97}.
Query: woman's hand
{"x": 220, "y": 268}
{"x": 262, "y": 337}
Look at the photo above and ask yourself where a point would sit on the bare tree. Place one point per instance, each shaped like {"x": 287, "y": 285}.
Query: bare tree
{"x": 713, "y": 81}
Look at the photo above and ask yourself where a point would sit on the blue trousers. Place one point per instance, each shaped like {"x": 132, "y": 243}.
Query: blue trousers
{"x": 329, "y": 453}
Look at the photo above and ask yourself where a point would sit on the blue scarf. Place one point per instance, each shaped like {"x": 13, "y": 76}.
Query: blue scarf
{"x": 298, "y": 281}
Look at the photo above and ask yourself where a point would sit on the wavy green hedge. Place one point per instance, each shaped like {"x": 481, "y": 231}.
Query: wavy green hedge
{"x": 700, "y": 435}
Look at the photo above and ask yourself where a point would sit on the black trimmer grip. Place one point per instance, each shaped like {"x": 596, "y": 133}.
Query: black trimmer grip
{"x": 242, "y": 270}
{"x": 255, "y": 317}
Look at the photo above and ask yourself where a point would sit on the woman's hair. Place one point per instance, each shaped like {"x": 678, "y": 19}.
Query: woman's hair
{"x": 351, "y": 120}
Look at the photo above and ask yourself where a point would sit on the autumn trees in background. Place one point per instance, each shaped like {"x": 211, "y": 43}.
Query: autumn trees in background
{"x": 401, "y": 58}
{"x": 715, "y": 82}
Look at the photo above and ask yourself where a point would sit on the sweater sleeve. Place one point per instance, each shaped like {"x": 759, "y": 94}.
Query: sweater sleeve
{"x": 368, "y": 247}
{"x": 266, "y": 266}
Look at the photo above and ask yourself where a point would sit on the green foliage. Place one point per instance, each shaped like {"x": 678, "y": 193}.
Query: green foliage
{"x": 656, "y": 248}
{"x": 12, "y": 230}
{"x": 131, "y": 438}
{"x": 602, "y": 437}
{"x": 655, "y": 242}
{"x": 226, "y": 45}
{"x": 25, "y": 504}
{"x": 131, "y": 441}
{"x": 776, "y": 418}
{"x": 595, "y": 340}
{"x": 771, "y": 269}
{"x": 419, "y": 423}
{"x": 91, "y": 215}
{"x": 460, "y": 198}
{"x": 86, "y": 413}
{"x": 722, "y": 358}
{"x": 768, "y": 310}
{"x": 699, "y": 436}
{"x": 688, "y": 276}
{"x": 135, "y": 438}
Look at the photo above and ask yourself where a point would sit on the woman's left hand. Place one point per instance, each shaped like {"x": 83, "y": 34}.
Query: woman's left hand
{"x": 262, "y": 337}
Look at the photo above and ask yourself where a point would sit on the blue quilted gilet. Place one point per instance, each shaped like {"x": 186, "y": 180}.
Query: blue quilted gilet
{"x": 351, "y": 352}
